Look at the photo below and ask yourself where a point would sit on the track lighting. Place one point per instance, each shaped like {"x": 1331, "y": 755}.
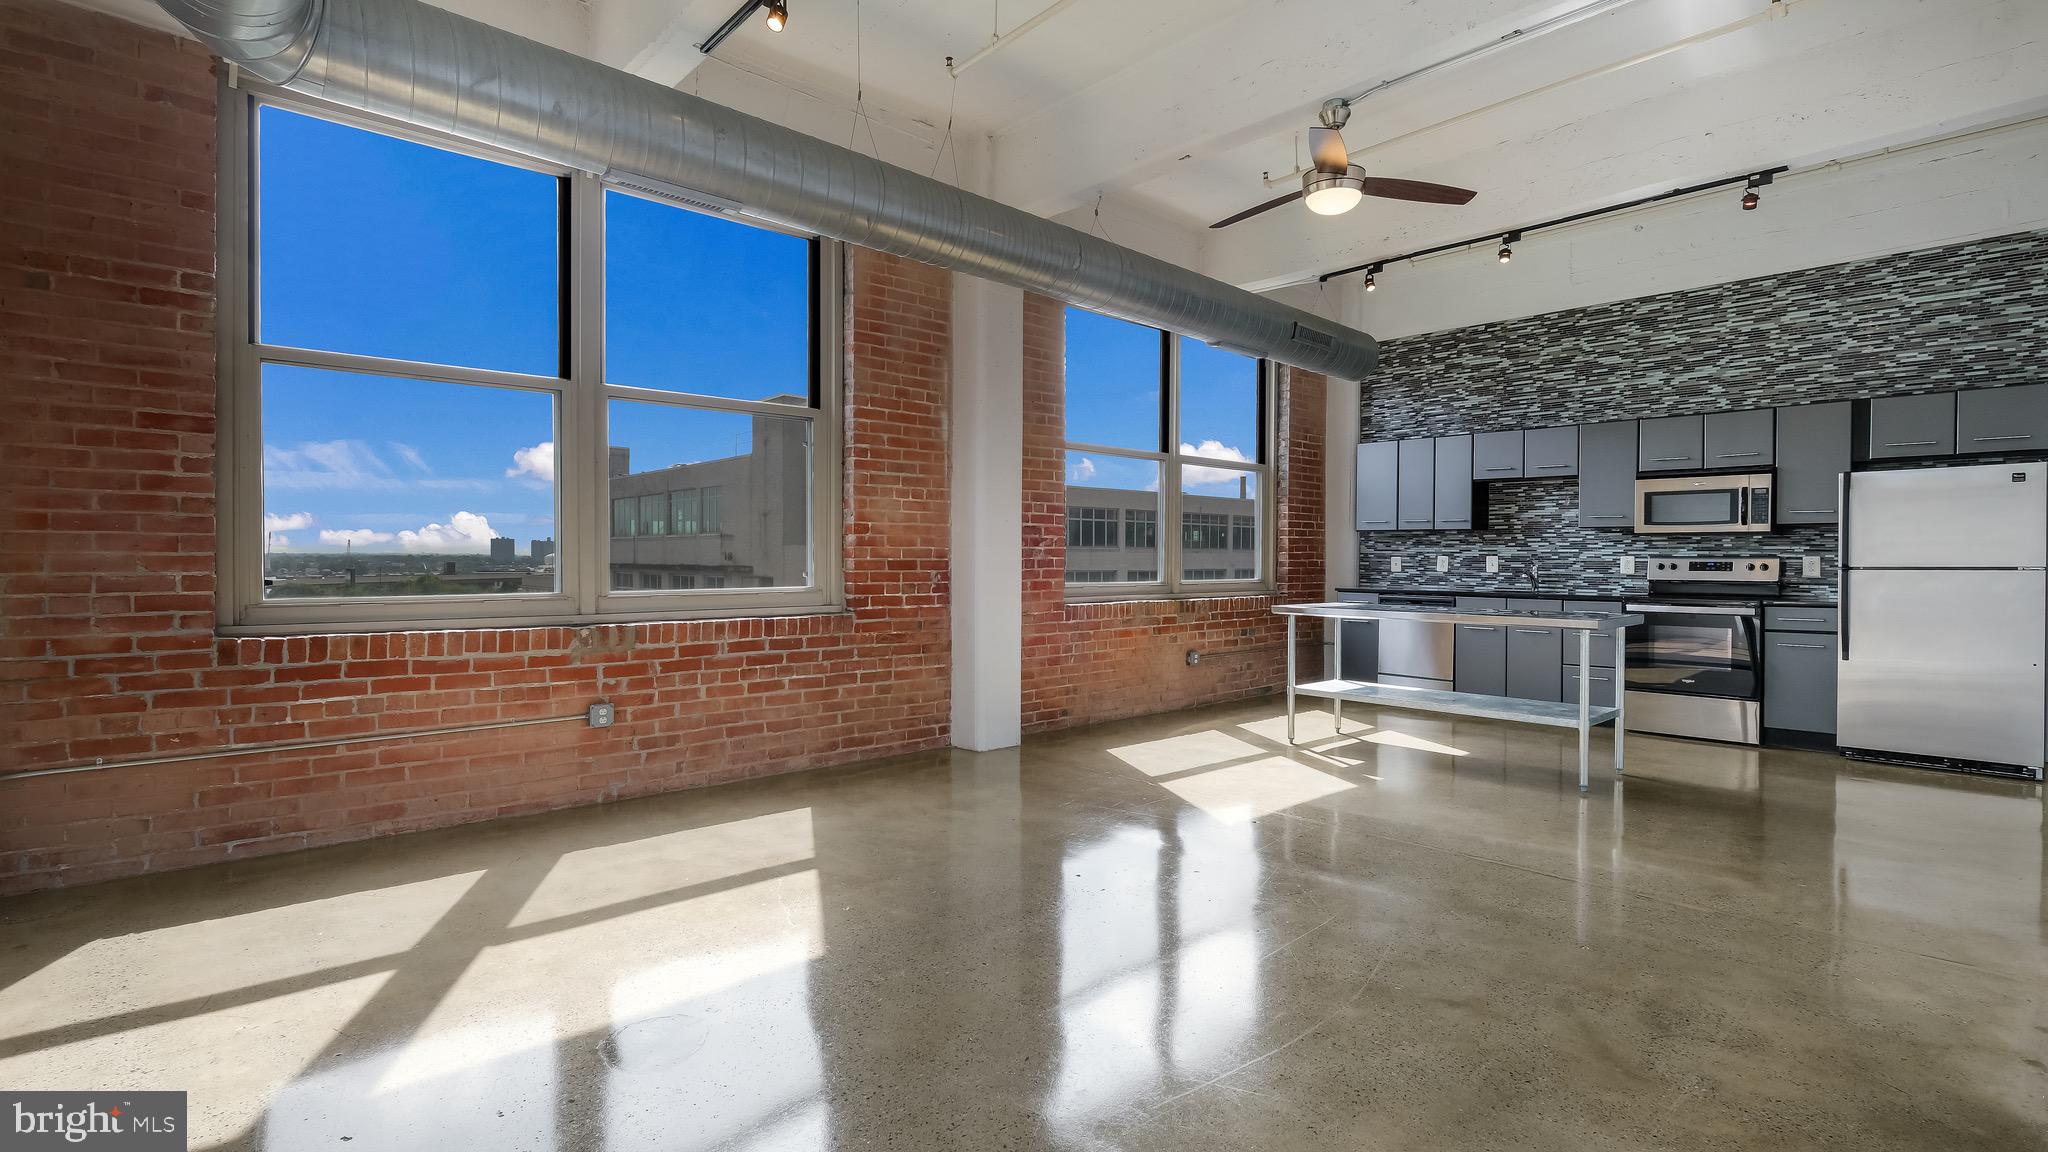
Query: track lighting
{"x": 1507, "y": 250}
{"x": 1371, "y": 272}
{"x": 778, "y": 15}
{"x": 1749, "y": 197}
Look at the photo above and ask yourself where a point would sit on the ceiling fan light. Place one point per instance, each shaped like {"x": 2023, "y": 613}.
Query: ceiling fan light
{"x": 1333, "y": 200}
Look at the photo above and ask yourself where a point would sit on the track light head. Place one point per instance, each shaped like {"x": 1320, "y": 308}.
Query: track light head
{"x": 778, "y": 15}
{"x": 1750, "y": 199}
{"x": 1370, "y": 282}
{"x": 1507, "y": 247}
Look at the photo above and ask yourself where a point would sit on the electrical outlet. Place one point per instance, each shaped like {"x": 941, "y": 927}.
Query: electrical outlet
{"x": 1194, "y": 657}
{"x": 1809, "y": 567}
{"x": 601, "y": 714}
{"x": 1443, "y": 563}
{"x": 1493, "y": 564}
{"x": 1394, "y": 565}
{"x": 1628, "y": 565}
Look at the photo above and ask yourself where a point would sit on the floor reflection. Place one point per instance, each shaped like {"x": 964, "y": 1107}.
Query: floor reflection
{"x": 1161, "y": 934}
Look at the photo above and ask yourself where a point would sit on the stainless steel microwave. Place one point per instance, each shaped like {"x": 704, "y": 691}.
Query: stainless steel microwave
{"x": 1701, "y": 504}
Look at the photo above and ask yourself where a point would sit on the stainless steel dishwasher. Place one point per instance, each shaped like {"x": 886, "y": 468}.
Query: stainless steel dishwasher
{"x": 1396, "y": 651}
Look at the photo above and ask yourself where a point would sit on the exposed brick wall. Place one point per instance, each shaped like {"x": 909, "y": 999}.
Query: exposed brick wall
{"x": 107, "y": 544}
{"x": 1089, "y": 662}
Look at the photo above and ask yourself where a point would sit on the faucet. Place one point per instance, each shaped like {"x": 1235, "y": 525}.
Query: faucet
{"x": 1535, "y": 576}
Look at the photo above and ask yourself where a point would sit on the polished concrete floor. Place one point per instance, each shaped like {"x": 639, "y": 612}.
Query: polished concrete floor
{"x": 1162, "y": 934}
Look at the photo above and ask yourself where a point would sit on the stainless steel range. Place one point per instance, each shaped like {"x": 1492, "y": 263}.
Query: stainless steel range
{"x": 1695, "y": 666}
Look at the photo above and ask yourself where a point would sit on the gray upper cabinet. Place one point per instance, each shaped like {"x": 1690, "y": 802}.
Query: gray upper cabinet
{"x": 1378, "y": 479}
{"x": 1497, "y": 455}
{"x": 1453, "y": 503}
{"x": 1550, "y": 451}
{"x": 1607, "y": 474}
{"x": 1741, "y": 439}
{"x": 1813, "y": 452}
{"x": 1415, "y": 497}
{"x": 2010, "y": 419}
{"x": 1671, "y": 444}
{"x": 1895, "y": 427}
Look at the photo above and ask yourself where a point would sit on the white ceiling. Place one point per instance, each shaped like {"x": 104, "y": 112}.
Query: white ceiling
{"x": 1170, "y": 110}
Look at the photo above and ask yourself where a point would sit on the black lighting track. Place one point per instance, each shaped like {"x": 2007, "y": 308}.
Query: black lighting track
{"x": 1757, "y": 178}
{"x": 732, "y": 24}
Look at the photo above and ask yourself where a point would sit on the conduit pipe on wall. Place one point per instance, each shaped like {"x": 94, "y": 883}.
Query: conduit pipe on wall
{"x": 425, "y": 66}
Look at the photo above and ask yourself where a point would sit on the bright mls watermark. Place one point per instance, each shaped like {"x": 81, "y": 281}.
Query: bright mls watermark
{"x": 128, "y": 1121}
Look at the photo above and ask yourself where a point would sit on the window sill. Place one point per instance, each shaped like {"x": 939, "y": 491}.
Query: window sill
{"x": 511, "y": 623}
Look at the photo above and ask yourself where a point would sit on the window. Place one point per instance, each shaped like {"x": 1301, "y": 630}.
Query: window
{"x": 407, "y": 352}
{"x": 1164, "y": 428}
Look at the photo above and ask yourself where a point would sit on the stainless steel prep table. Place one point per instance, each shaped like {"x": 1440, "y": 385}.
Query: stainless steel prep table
{"x": 1583, "y": 716}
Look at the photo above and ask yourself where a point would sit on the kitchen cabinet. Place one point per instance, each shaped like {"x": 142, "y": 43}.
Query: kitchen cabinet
{"x": 1800, "y": 618}
{"x": 1550, "y": 451}
{"x": 1480, "y": 659}
{"x": 1741, "y": 439}
{"x": 1378, "y": 479}
{"x": 1607, "y": 474}
{"x": 1533, "y": 654}
{"x": 1497, "y": 455}
{"x": 2009, "y": 419}
{"x": 1670, "y": 444}
{"x": 1900, "y": 427}
{"x": 1603, "y": 685}
{"x": 1603, "y": 642}
{"x": 1813, "y": 449}
{"x": 1453, "y": 505}
{"x": 1360, "y": 657}
{"x": 1799, "y": 681}
{"x": 1415, "y": 493}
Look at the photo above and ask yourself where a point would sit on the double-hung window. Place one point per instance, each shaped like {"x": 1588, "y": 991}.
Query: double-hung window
{"x": 1164, "y": 429}
{"x": 463, "y": 387}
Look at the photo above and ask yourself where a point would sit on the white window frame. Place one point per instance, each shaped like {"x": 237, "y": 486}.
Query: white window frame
{"x": 582, "y": 491}
{"x": 1169, "y": 460}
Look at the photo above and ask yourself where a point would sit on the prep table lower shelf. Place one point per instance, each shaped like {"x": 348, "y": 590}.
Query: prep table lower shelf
{"x": 1549, "y": 712}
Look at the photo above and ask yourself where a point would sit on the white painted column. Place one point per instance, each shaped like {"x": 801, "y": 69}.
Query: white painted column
{"x": 1340, "y": 495}
{"x": 987, "y": 422}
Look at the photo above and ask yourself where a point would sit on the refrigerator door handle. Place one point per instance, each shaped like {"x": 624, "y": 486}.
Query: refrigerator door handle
{"x": 1842, "y": 564}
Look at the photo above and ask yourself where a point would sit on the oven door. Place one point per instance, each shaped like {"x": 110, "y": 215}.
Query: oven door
{"x": 1701, "y": 504}
{"x": 1690, "y": 651}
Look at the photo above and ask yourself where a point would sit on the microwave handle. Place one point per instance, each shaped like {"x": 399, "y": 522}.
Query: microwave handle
{"x": 1745, "y": 505}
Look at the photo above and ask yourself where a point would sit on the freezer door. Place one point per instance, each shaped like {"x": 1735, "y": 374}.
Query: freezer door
{"x": 1983, "y": 516}
{"x": 1945, "y": 664}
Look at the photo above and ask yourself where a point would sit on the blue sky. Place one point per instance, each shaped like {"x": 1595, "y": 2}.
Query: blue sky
{"x": 1113, "y": 385}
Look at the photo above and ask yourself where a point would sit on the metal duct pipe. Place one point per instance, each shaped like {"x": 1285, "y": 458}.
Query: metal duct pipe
{"x": 425, "y": 66}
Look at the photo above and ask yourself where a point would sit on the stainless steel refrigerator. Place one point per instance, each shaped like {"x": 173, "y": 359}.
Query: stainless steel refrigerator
{"x": 1944, "y": 621}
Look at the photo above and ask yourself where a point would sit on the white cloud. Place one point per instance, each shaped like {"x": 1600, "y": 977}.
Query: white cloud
{"x": 464, "y": 532}
{"x": 1197, "y": 476}
{"x": 289, "y": 522}
{"x": 355, "y": 537}
{"x": 409, "y": 454}
{"x": 351, "y": 464}
{"x": 535, "y": 465}
{"x": 1081, "y": 471}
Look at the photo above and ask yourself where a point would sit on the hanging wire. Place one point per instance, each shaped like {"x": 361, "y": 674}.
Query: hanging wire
{"x": 1098, "y": 227}
{"x": 860, "y": 110}
{"x": 946, "y": 141}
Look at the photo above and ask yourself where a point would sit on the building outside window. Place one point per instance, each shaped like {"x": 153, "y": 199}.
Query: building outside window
{"x": 1163, "y": 427}
{"x": 403, "y": 325}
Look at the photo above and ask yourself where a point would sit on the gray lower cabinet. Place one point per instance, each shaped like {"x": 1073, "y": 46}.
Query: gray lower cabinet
{"x": 1480, "y": 658}
{"x": 1497, "y": 455}
{"x": 2009, "y": 419}
{"x": 1799, "y": 681}
{"x": 1359, "y": 659}
{"x": 1602, "y": 642}
{"x": 1741, "y": 439}
{"x": 1603, "y": 685}
{"x": 1378, "y": 480}
{"x": 1607, "y": 474}
{"x": 1671, "y": 444}
{"x": 1813, "y": 450}
{"x": 1550, "y": 451}
{"x": 1533, "y": 654}
{"x": 1453, "y": 481}
{"x": 1415, "y": 495}
{"x": 1900, "y": 427}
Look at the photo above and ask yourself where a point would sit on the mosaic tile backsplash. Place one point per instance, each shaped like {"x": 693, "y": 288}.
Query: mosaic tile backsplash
{"x": 1962, "y": 316}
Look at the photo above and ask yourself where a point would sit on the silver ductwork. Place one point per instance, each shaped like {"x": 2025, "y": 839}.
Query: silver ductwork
{"x": 425, "y": 66}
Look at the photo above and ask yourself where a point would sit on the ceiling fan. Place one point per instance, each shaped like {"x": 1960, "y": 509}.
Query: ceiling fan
{"x": 1332, "y": 184}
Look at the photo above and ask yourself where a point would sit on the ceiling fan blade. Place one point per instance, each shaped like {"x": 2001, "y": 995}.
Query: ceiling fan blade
{"x": 1326, "y": 150}
{"x": 1418, "y": 190}
{"x": 1248, "y": 213}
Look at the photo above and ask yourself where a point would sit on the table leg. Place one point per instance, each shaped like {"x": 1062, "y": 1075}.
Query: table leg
{"x": 1290, "y": 679}
{"x": 1620, "y": 692}
{"x": 1585, "y": 702}
{"x": 1337, "y": 706}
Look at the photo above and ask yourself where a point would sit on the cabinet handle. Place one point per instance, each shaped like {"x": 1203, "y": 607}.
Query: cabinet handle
{"x": 1983, "y": 439}
{"x": 1804, "y": 619}
{"x": 1596, "y": 679}
{"x": 1911, "y": 443}
{"x": 1610, "y": 516}
{"x": 1809, "y": 511}
{"x": 1478, "y": 627}
{"x": 1414, "y": 521}
{"x": 1379, "y": 521}
{"x": 1818, "y": 647}
{"x": 1734, "y": 455}
{"x": 1550, "y": 467}
{"x": 1501, "y": 468}
{"x": 1534, "y": 631}
{"x": 1677, "y": 459}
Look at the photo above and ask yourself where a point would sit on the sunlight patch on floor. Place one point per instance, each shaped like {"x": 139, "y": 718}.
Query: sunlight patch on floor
{"x": 1308, "y": 726}
{"x": 1180, "y": 753}
{"x": 614, "y": 874}
{"x": 1249, "y": 791}
{"x": 1403, "y": 740}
